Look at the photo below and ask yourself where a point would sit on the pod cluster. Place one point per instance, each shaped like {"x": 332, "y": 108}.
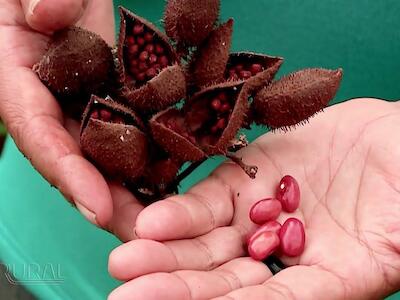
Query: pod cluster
{"x": 157, "y": 101}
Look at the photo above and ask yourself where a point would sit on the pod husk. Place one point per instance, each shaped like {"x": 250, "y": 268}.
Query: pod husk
{"x": 296, "y": 97}
{"x": 189, "y": 22}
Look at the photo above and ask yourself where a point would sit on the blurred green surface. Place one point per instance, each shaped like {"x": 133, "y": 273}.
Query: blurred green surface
{"x": 361, "y": 36}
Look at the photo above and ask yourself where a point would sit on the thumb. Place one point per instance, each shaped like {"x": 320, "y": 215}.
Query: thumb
{"x": 48, "y": 16}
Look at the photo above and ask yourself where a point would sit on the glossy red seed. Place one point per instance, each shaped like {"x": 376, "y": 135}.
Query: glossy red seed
{"x": 214, "y": 129}
{"x": 148, "y": 37}
{"x": 288, "y": 193}
{"x": 157, "y": 67}
{"x": 245, "y": 74}
{"x": 239, "y": 68}
{"x": 221, "y": 123}
{"x": 256, "y": 68}
{"x": 133, "y": 49}
{"x": 151, "y": 73}
{"x": 144, "y": 55}
{"x": 223, "y": 97}
{"x": 153, "y": 58}
{"x": 292, "y": 237}
{"x": 138, "y": 29}
{"x": 163, "y": 61}
{"x": 141, "y": 76}
{"x": 94, "y": 114}
{"x": 262, "y": 245}
{"x": 265, "y": 210}
{"x": 216, "y": 104}
{"x": 149, "y": 48}
{"x": 272, "y": 226}
{"x": 159, "y": 49}
{"x": 130, "y": 40}
{"x": 105, "y": 115}
{"x": 225, "y": 107}
{"x": 143, "y": 66}
{"x": 134, "y": 63}
{"x": 140, "y": 41}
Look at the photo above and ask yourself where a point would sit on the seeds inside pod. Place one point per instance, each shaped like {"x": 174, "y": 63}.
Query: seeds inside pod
{"x": 111, "y": 138}
{"x": 296, "y": 97}
{"x": 257, "y": 69}
{"x": 208, "y": 64}
{"x": 77, "y": 64}
{"x": 148, "y": 65}
{"x": 189, "y": 22}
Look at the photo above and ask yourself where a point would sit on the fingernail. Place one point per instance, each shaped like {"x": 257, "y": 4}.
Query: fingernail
{"x": 87, "y": 213}
{"x": 32, "y": 6}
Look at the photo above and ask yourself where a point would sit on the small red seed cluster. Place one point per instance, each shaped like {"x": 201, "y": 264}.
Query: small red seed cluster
{"x": 221, "y": 107}
{"x": 270, "y": 237}
{"x": 106, "y": 115}
{"x": 145, "y": 52}
{"x": 241, "y": 71}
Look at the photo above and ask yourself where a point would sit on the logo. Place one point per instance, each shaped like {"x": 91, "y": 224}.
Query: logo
{"x": 33, "y": 274}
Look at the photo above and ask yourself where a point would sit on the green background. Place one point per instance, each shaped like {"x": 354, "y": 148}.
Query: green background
{"x": 361, "y": 36}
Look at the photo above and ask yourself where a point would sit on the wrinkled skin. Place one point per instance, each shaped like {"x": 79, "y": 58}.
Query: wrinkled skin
{"x": 347, "y": 162}
{"x": 34, "y": 118}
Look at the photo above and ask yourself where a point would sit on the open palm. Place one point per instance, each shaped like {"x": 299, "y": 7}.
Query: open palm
{"x": 34, "y": 118}
{"x": 347, "y": 161}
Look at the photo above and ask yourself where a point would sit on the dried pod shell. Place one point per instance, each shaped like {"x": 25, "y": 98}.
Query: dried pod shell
{"x": 209, "y": 62}
{"x": 120, "y": 150}
{"x": 168, "y": 130}
{"x": 189, "y": 22}
{"x": 296, "y": 97}
{"x": 236, "y": 117}
{"x": 257, "y": 69}
{"x": 78, "y": 63}
{"x": 147, "y": 65}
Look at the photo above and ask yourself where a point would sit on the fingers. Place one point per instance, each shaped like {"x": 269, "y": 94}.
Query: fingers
{"x": 206, "y": 206}
{"x": 298, "y": 282}
{"x": 50, "y": 15}
{"x": 207, "y": 252}
{"x": 188, "y": 285}
{"x": 39, "y": 134}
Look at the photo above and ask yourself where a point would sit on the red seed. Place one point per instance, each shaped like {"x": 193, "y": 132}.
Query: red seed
{"x": 94, "y": 114}
{"x": 118, "y": 120}
{"x": 214, "y": 129}
{"x": 221, "y": 123}
{"x": 130, "y": 40}
{"x": 265, "y": 210}
{"x": 262, "y": 245}
{"x": 141, "y": 76}
{"x": 239, "y": 68}
{"x": 148, "y": 37}
{"x": 149, "y": 48}
{"x": 105, "y": 115}
{"x": 134, "y": 63}
{"x": 138, "y": 29}
{"x": 272, "y": 226}
{"x": 288, "y": 193}
{"x": 153, "y": 58}
{"x": 256, "y": 68}
{"x": 140, "y": 41}
{"x": 143, "y": 56}
{"x": 163, "y": 61}
{"x": 134, "y": 70}
{"x": 216, "y": 104}
{"x": 134, "y": 49}
{"x": 157, "y": 67}
{"x": 223, "y": 97}
{"x": 225, "y": 107}
{"x": 292, "y": 237}
{"x": 151, "y": 73}
{"x": 159, "y": 49}
{"x": 245, "y": 74}
{"x": 143, "y": 66}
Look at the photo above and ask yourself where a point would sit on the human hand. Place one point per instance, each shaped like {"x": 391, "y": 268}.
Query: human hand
{"x": 347, "y": 162}
{"x": 34, "y": 118}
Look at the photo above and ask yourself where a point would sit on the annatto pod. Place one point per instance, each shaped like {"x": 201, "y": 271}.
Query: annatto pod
{"x": 189, "y": 22}
{"x": 77, "y": 64}
{"x": 296, "y": 97}
{"x": 148, "y": 67}
{"x": 257, "y": 69}
{"x": 208, "y": 64}
{"x": 111, "y": 137}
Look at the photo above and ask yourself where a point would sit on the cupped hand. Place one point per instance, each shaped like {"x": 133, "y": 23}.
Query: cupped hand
{"x": 34, "y": 118}
{"x": 347, "y": 162}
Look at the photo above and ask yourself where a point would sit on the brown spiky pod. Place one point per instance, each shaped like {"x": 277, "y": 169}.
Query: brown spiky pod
{"x": 256, "y": 69}
{"x": 296, "y": 97}
{"x": 208, "y": 64}
{"x": 148, "y": 66}
{"x": 189, "y": 22}
{"x": 111, "y": 137}
{"x": 88, "y": 70}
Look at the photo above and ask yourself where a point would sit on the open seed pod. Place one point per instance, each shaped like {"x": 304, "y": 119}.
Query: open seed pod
{"x": 111, "y": 137}
{"x": 208, "y": 63}
{"x": 296, "y": 97}
{"x": 77, "y": 64}
{"x": 189, "y": 22}
{"x": 257, "y": 69}
{"x": 148, "y": 67}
